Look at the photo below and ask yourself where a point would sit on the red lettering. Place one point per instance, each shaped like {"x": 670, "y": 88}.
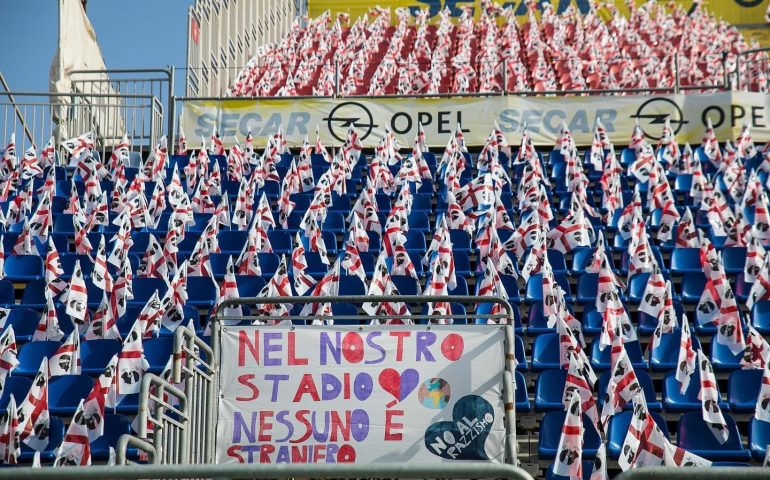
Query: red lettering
{"x": 243, "y": 343}
{"x": 265, "y": 426}
{"x": 346, "y": 386}
{"x": 346, "y": 454}
{"x": 319, "y": 453}
{"x": 264, "y": 453}
{"x": 245, "y": 381}
{"x": 452, "y": 346}
{"x": 390, "y": 425}
{"x": 352, "y": 347}
{"x": 293, "y": 360}
{"x": 337, "y": 425}
{"x": 302, "y": 417}
{"x": 306, "y": 386}
{"x": 299, "y": 454}
{"x": 400, "y": 343}
{"x": 232, "y": 451}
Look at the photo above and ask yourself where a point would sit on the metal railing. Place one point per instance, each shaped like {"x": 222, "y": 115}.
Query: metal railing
{"x": 694, "y": 473}
{"x": 179, "y": 417}
{"x": 748, "y": 65}
{"x": 459, "y": 469}
{"x": 155, "y": 82}
{"x": 35, "y": 117}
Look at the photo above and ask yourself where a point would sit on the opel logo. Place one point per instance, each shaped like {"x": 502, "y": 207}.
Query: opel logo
{"x": 652, "y": 115}
{"x": 346, "y": 114}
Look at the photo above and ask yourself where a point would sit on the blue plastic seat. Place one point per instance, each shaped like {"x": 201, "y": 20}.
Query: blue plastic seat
{"x": 462, "y": 263}
{"x": 315, "y": 267}
{"x": 55, "y": 437}
{"x": 232, "y": 241}
{"x": 537, "y": 323}
{"x": 7, "y": 295}
{"x": 675, "y": 402}
{"x": 644, "y": 381}
{"x": 24, "y": 321}
{"x": 281, "y": 241}
{"x": 351, "y": 285}
{"x": 461, "y": 241}
{"x": 335, "y": 222}
{"x": 268, "y": 263}
{"x": 760, "y": 316}
{"x": 249, "y": 285}
{"x": 218, "y": 262}
{"x": 68, "y": 261}
{"x": 114, "y": 427}
{"x": 406, "y": 285}
{"x": 461, "y": 288}
{"x": 557, "y": 261}
{"x": 759, "y": 438}
{"x": 743, "y": 390}
{"x": 549, "y": 390}
{"x": 734, "y": 259}
{"x": 16, "y": 386}
{"x": 522, "y": 398}
{"x": 201, "y": 292}
{"x": 600, "y": 359}
{"x": 545, "y": 352}
{"x": 535, "y": 288}
{"x": 618, "y": 428}
{"x": 722, "y": 359}
{"x": 24, "y": 268}
{"x": 647, "y": 323}
{"x": 415, "y": 241}
{"x": 484, "y": 309}
{"x": 157, "y": 351}
{"x": 550, "y": 433}
{"x": 31, "y": 356}
{"x": 96, "y": 354}
{"x": 666, "y": 356}
{"x": 694, "y": 435}
{"x": 693, "y": 285}
{"x": 419, "y": 221}
{"x": 685, "y": 260}
{"x": 65, "y": 393}
{"x": 144, "y": 287}
{"x": 141, "y": 240}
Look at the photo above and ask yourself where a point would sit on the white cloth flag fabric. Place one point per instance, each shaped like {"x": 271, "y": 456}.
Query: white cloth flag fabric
{"x": 569, "y": 454}
{"x": 709, "y": 396}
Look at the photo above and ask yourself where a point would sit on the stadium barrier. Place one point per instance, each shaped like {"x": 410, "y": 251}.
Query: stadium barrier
{"x": 35, "y": 117}
{"x": 693, "y": 473}
{"x": 184, "y": 430}
{"x": 235, "y": 471}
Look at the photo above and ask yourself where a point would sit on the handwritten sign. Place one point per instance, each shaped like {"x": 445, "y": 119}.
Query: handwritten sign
{"x": 342, "y": 394}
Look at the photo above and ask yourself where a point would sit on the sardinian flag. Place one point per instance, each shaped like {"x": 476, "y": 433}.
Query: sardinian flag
{"x": 574, "y": 231}
{"x": 760, "y": 289}
{"x": 685, "y": 364}
{"x": 153, "y": 263}
{"x": 131, "y": 362}
{"x": 66, "y": 358}
{"x": 616, "y": 322}
{"x": 757, "y": 351}
{"x": 709, "y": 396}
{"x": 91, "y": 412}
{"x": 10, "y": 447}
{"x": 666, "y": 319}
{"x": 762, "y": 410}
{"x": 30, "y": 166}
{"x": 48, "y": 154}
{"x": 644, "y": 163}
{"x": 79, "y": 147}
{"x": 174, "y": 299}
{"x": 77, "y": 296}
{"x": 2, "y": 256}
{"x": 122, "y": 239}
{"x": 642, "y": 259}
{"x": 75, "y": 450}
{"x": 103, "y": 323}
{"x": 8, "y": 354}
{"x": 569, "y": 456}
{"x": 150, "y": 317}
{"x": 302, "y": 281}
{"x": 679, "y": 457}
{"x": 607, "y": 287}
{"x": 351, "y": 262}
{"x": 217, "y": 147}
{"x": 48, "y": 327}
{"x": 401, "y": 261}
{"x": 34, "y": 419}
{"x": 278, "y": 286}
{"x": 600, "y": 463}
{"x": 228, "y": 290}
{"x": 328, "y": 286}
{"x": 100, "y": 276}
{"x": 181, "y": 142}
{"x": 537, "y": 256}
{"x": 653, "y": 298}
{"x": 577, "y": 382}
{"x": 569, "y": 344}
{"x": 644, "y": 445}
{"x": 25, "y": 244}
{"x": 686, "y": 234}
{"x": 623, "y": 385}
{"x": 120, "y": 153}
{"x": 630, "y": 216}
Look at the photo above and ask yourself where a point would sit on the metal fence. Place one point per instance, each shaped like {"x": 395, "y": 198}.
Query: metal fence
{"x": 36, "y": 117}
{"x": 751, "y": 70}
{"x": 460, "y": 469}
{"x": 695, "y": 473}
{"x": 175, "y": 412}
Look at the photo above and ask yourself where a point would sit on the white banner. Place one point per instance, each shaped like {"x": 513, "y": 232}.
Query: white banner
{"x": 544, "y": 117}
{"x": 335, "y": 394}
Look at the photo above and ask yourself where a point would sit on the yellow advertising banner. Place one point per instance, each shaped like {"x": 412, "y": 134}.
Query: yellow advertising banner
{"x": 543, "y": 116}
{"x": 737, "y": 12}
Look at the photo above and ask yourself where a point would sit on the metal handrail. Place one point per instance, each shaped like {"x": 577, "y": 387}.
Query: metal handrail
{"x": 693, "y": 473}
{"x": 459, "y": 469}
{"x": 10, "y": 95}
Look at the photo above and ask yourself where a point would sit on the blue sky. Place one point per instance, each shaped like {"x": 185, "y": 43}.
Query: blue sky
{"x": 131, "y": 34}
